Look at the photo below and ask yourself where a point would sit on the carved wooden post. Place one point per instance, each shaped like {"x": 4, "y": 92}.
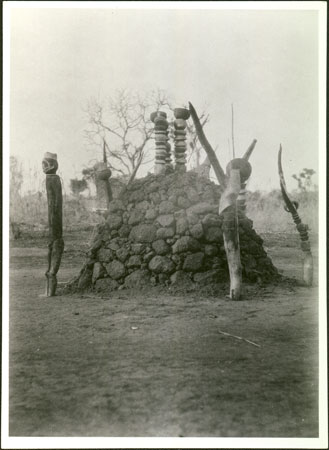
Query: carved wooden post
{"x": 55, "y": 221}
{"x": 159, "y": 118}
{"x": 238, "y": 171}
{"x": 228, "y": 208}
{"x": 103, "y": 187}
{"x": 181, "y": 115}
{"x": 301, "y": 227}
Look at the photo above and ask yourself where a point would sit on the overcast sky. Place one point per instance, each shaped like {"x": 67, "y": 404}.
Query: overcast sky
{"x": 264, "y": 62}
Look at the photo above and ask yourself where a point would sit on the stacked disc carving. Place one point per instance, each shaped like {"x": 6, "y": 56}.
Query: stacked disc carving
{"x": 181, "y": 115}
{"x": 159, "y": 118}
{"x": 168, "y": 155}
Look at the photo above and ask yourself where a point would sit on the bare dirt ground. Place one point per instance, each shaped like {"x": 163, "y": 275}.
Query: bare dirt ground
{"x": 159, "y": 363}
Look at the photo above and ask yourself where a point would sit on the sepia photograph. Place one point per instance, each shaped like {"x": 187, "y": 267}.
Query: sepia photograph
{"x": 164, "y": 225}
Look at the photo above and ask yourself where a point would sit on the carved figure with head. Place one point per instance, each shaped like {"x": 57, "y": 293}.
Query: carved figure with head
{"x": 49, "y": 163}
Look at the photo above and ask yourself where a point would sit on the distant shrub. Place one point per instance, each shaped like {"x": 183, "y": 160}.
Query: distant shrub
{"x": 78, "y": 186}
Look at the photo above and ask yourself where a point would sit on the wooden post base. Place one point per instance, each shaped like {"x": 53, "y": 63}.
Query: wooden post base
{"x": 232, "y": 249}
{"x": 308, "y": 269}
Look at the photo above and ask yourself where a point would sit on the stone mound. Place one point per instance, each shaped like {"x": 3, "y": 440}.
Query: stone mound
{"x": 165, "y": 229}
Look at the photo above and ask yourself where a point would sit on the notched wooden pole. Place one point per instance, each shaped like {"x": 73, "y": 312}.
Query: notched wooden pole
{"x": 301, "y": 227}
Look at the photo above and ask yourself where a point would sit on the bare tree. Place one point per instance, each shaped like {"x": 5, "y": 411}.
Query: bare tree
{"x": 122, "y": 128}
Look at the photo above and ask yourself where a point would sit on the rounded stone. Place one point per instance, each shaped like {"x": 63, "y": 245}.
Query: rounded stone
{"x": 116, "y": 205}
{"x": 137, "y": 279}
{"x": 137, "y": 249}
{"x": 164, "y": 233}
{"x": 211, "y": 220}
{"x": 163, "y": 277}
{"x": 192, "y": 219}
{"x": 124, "y": 231}
{"x": 181, "y": 278}
{"x": 98, "y": 272}
{"x": 193, "y": 262}
{"x": 122, "y": 254}
{"x": 211, "y": 276}
{"x": 210, "y": 250}
{"x": 143, "y": 233}
{"x": 181, "y": 225}
{"x": 161, "y": 264}
{"x": 143, "y": 206}
{"x": 197, "y": 231}
{"x": 114, "y": 221}
{"x": 185, "y": 244}
{"x": 160, "y": 247}
{"x": 137, "y": 196}
{"x": 105, "y": 255}
{"x": 166, "y": 220}
{"x": 134, "y": 261}
{"x": 214, "y": 234}
{"x": 148, "y": 257}
{"x": 202, "y": 208}
{"x": 106, "y": 284}
{"x": 183, "y": 202}
{"x": 166, "y": 207}
{"x": 136, "y": 217}
{"x": 192, "y": 195}
{"x": 115, "y": 269}
{"x": 151, "y": 214}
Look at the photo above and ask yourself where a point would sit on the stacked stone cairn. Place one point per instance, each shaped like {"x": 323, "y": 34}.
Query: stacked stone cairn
{"x": 165, "y": 229}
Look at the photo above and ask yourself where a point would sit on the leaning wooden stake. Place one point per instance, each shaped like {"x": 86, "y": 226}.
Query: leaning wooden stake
{"x": 55, "y": 200}
{"x": 221, "y": 177}
{"x": 301, "y": 227}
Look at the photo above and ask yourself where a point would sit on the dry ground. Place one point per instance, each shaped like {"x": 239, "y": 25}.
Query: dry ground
{"x": 158, "y": 363}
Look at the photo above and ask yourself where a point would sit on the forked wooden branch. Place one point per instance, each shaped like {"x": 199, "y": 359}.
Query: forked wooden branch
{"x": 249, "y": 150}
{"x": 221, "y": 177}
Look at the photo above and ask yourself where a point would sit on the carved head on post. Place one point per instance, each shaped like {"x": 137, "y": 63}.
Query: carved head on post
{"x": 49, "y": 163}
{"x": 232, "y": 200}
{"x": 240, "y": 164}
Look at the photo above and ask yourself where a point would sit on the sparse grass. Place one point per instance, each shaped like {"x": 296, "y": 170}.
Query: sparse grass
{"x": 268, "y": 214}
{"x": 266, "y": 210}
{"x": 30, "y": 213}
